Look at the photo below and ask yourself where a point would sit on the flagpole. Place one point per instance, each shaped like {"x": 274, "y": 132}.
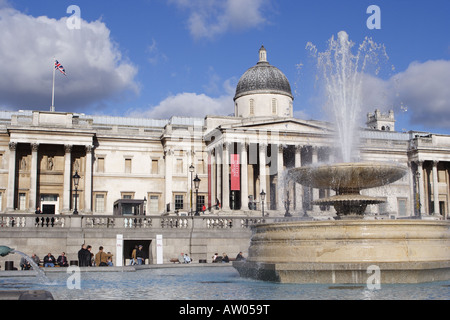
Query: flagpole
{"x": 52, "y": 108}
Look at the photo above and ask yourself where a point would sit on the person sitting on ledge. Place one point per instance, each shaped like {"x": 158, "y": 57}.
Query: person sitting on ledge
{"x": 49, "y": 260}
{"x": 62, "y": 260}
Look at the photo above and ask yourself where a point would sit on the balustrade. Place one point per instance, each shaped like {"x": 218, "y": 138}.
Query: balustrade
{"x": 29, "y": 221}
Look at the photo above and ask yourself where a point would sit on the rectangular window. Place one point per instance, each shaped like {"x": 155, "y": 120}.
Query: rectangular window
{"x": 153, "y": 204}
{"x": 274, "y": 106}
{"x": 100, "y": 203}
{"x": 252, "y": 107}
{"x": 401, "y": 207}
{"x": 154, "y": 166}
{"x": 200, "y": 202}
{"x": 101, "y": 164}
{"x": 22, "y": 201}
{"x": 1, "y": 201}
{"x": 178, "y": 202}
{"x": 127, "y": 165}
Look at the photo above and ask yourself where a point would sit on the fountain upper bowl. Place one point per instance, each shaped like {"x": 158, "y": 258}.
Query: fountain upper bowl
{"x": 348, "y": 176}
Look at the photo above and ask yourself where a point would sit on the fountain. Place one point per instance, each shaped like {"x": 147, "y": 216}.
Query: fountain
{"x": 349, "y": 248}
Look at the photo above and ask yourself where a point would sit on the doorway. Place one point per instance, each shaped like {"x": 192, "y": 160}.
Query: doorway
{"x": 129, "y": 245}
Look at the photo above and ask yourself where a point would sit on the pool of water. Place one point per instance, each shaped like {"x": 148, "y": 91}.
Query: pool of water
{"x": 206, "y": 283}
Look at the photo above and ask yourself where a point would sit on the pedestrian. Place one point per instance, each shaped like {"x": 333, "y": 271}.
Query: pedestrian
{"x": 83, "y": 256}
{"x": 225, "y": 258}
{"x": 36, "y": 259}
{"x": 203, "y": 209}
{"x": 89, "y": 256}
{"x": 133, "y": 256}
{"x": 24, "y": 264}
{"x": 240, "y": 257}
{"x": 49, "y": 260}
{"x": 101, "y": 258}
{"x": 140, "y": 255}
{"x": 62, "y": 260}
{"x": 187, "y": 259}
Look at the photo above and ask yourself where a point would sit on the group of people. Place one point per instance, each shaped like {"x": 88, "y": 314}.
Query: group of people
{"x": 184, "y": 258}
{"x": 138, "y": 256}
{"x": 49, "y": 261}
{"x": 87, "y": 259}
{"x": 225, "y": 259}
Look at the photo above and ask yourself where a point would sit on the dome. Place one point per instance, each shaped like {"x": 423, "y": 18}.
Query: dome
{"x": 263, "y": 78}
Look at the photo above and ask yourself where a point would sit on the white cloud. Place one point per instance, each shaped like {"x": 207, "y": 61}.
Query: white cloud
{"x": 422, "y": 89}
{"x": 209, "y": 18}
{"x": 95, "y": 68}
{"x": 188, "y": 104}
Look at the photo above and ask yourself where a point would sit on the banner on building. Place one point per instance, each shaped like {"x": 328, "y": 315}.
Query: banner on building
{"x": 235, "y": 173}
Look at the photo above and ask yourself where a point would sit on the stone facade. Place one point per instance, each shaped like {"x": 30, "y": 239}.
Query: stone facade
{"x": 155, "y": 161}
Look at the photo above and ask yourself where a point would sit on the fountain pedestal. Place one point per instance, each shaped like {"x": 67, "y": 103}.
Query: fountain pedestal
{"x": 347, "y": 251}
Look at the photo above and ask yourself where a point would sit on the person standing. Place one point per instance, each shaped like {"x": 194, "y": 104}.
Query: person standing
{"x": 140, "y": 255}
{"x": 83, "y": 255}
{"x": 101, "y": 258}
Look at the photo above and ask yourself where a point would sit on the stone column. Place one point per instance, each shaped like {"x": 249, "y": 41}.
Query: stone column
{"x": 262, "y": 172}
{"x": 421, "y": 187}
{"x": 281, "y": 188}
{"x": 168, "y": 161}
{"x": 225, "y": 176}
{"x": 211, "y": 161}
{"x": 67, "y": 177}
{"x": 219, "y": 162}
{"x": 315, "y": 191}
{"x": 435, "y": 189}
{"x": 88, "y": 181}
{"x": 190, "y": 154}
{"x": 298, "y": 186}
{"x": 32, "y": 203}
{"x": 11, "y": 176}
{"x": 244, "y": 177}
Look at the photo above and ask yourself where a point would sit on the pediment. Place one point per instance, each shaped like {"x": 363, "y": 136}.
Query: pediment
{"x": 285, "y": 125}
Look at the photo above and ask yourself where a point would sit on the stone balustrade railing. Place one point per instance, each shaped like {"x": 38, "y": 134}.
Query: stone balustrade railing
{"x": 42, "y": 221}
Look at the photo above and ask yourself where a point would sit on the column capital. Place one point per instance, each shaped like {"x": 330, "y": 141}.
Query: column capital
{"x": 89, "y": 148}
{"x": 168, "y": 151}
{"x": 68, "y": 148}
{"x": 243, "y": 146}
{"x": 418, "y": 162}
{"x": 280, "y": 148}
{"x": 34, "y": 147}
{"x": 12, "y": 146}
{"x": 298, "y": 148}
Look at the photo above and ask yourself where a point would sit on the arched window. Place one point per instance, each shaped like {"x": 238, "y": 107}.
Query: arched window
{"x": 274, "y": 106}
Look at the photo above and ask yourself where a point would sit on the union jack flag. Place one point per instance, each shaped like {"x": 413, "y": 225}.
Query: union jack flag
{"x": 59, "y": 67}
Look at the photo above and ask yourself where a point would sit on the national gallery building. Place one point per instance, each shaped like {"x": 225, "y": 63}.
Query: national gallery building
{"x": 101, "y": 165}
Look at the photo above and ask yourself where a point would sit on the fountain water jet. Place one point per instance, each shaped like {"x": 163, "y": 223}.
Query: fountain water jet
{"x": 343, "y": 251}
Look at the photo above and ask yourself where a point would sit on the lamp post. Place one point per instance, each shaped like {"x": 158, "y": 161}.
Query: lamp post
{"x": 263, "y": 197}
{"x": 197, "y": 185}
{"x": 76, "y": 180}
{"x": 145, "y": 205}
{"x": 191, "y": 170}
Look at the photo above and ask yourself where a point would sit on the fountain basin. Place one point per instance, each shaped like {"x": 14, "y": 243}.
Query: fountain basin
{"x": 405, "y": 251}
{"x": 348, "y": 179}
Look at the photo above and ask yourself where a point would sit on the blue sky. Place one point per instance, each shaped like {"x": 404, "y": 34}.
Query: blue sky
{"x": 157, "y": 58}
